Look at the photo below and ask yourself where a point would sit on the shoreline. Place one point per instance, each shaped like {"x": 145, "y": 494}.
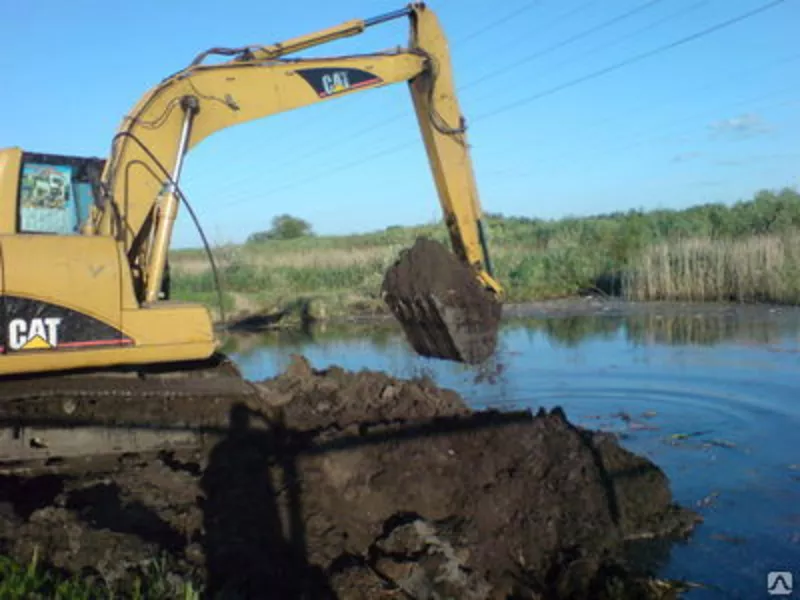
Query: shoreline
{"x": 575, "y": 306}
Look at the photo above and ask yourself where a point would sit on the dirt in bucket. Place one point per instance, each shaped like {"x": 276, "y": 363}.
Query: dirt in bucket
{"x": 443, "y": 308}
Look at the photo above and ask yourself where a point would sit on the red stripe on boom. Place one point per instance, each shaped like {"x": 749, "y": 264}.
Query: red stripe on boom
{"x": 123, "y": 342}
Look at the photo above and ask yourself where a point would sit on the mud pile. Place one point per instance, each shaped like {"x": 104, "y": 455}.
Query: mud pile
{"x": 362, "y": 486}
{"x": 438, "y": 300}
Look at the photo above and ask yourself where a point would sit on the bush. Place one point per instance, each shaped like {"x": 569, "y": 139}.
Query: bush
{"x": 284, "y": 227}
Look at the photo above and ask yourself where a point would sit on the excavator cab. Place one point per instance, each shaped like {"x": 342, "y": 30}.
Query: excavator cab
{"x": 68, "y": 297}
{"x": 56, "y": 192}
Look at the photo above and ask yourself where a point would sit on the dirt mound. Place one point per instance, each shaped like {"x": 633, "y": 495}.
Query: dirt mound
{"x": 365, "y": 487}
{"x": 339, "y": 399}
{"x": 443, "y": 309}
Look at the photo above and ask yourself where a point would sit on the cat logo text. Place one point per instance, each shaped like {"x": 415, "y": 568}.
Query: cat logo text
{"x": 335, "y": 83}
{"x": 36, "y": 334}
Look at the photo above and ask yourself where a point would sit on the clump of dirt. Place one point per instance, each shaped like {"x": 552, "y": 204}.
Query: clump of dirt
{"x": 339, "y": 399}
{"x": 444, "y": 310}
{"x": 364, "y": 486}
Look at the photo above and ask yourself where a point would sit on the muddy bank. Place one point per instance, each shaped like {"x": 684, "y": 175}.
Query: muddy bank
{"x": 576, "y": 306}
{"x": 332, "y": 484}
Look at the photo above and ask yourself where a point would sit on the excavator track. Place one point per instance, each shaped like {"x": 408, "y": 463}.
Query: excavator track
{"x": 106, "y": 413}
{"x": 91, "y": 387}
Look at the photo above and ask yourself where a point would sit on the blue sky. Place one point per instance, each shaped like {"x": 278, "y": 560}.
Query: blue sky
{"x": 713, "y": 120}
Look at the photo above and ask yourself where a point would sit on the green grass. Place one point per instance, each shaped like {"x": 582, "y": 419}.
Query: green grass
{"x": 35, "y": 581}
{"x": 744, "y": 252}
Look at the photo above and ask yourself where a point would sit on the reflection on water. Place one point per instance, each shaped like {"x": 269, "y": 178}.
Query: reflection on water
{"x": 765, "y": 327}
{"x": 711, "y": 395}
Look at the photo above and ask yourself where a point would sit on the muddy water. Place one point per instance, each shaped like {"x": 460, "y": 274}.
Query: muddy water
{"x": 711, "y": 394}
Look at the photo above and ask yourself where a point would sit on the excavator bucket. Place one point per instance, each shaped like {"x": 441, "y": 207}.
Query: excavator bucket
{"x": 442, "y": 307}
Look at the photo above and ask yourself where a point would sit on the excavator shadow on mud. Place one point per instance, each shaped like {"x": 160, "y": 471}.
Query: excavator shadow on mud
{"x": 84, "y": 242}
{"x": 288, "y": 490}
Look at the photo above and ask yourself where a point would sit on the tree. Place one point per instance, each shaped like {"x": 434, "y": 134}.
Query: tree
{"x": 284, "y": 227}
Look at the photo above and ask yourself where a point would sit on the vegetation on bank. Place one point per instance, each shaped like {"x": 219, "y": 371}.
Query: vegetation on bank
{"x": 764, "y": 268}
{"x": 34, "y": 581}
{"x": 747, "y": 251}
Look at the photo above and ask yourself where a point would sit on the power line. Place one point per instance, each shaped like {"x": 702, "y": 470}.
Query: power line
{"x": 350, "y": 165}
{"x": 515, "y": 13}
{"x": 550, "y": 91}
{"x": 406, "y": 145}
{"x": 630, "y": 61}
{"x": 322, "y": 149}
{"x": 593, "y": 50}
{"x": 529, "y": 171}
{"x": 569, "y": 40}
{"x": 549, "y": 25}
{"x": 395, "y": 117}
{"x": 764, "y": 67}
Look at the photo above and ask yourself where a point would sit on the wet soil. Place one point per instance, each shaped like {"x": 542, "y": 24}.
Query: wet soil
{"x": 444, "y": 311}
{"x": 336, "y": 484}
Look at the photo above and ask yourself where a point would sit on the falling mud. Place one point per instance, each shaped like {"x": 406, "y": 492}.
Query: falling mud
{"x": 334, "y": 484}
{"x": 443, "y": 309}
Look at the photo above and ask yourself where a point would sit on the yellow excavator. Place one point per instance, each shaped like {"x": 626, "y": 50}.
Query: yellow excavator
{"x": 84, "y": 242}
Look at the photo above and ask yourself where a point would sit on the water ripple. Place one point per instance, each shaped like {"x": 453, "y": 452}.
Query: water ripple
{"x": 712, "y": 403}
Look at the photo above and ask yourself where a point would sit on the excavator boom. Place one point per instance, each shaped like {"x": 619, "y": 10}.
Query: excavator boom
{"x": 93, "y": 297}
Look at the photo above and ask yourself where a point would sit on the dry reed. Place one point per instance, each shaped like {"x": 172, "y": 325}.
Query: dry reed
{"x": 756, "y": 269}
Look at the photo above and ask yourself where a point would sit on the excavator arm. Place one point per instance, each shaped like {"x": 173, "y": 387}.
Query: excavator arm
{"x": 91, "y": 299}
{"x": 140, "y": 204}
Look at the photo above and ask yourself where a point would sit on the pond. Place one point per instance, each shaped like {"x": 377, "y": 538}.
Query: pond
{"x": 711, "y": 394}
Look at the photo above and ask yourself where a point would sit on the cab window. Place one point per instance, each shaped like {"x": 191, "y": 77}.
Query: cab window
{"x": 53, "y": 198}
